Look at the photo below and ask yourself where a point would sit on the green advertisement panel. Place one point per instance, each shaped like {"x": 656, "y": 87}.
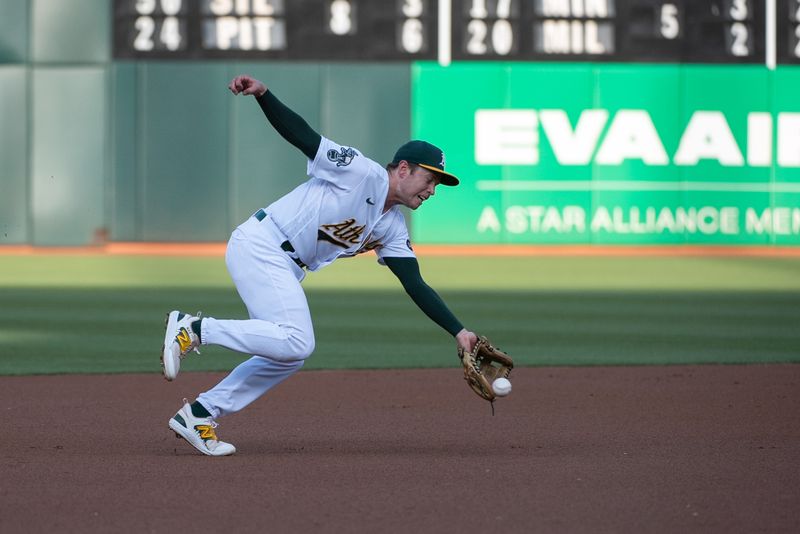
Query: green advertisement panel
{"x": 611, "y": 154}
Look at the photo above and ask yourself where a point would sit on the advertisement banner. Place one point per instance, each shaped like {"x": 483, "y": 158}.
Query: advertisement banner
{"x": 612, "y": 153}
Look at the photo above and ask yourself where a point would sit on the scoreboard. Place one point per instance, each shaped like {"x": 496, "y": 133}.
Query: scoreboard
{"x": 684, "y": 31}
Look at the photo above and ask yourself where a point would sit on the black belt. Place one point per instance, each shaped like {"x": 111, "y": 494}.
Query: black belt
{"x": 286, "y": 246}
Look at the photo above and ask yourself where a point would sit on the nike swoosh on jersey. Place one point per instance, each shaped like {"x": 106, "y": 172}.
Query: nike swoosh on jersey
{"x": 370, "y": 201}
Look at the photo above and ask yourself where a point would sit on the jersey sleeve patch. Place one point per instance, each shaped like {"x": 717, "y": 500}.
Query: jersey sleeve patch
{"x": 342, "y": 157}
{"x": 343, "y": 166}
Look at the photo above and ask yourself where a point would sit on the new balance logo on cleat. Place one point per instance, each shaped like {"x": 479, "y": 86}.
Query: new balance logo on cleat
{"x": 179, "y": 340}
{"x": 199, "y": 432}
{"x": 184, "y": 340}
{"x": 206, "y": 432}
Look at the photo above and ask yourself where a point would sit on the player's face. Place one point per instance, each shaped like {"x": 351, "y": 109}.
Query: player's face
{"x": 418, "y": 185}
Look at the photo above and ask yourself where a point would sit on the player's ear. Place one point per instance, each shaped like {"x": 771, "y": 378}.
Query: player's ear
{"x": 405, "y": 169}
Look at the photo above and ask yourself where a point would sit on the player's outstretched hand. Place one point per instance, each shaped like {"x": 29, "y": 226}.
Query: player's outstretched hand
{"x": 247, "y": 85}
{"x": 466, "y": 340}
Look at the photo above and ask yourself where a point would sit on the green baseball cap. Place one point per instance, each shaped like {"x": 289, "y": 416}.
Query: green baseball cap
{"x": 425, "y": 155}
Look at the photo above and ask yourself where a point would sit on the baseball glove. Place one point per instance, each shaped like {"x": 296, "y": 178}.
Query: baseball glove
{"x": 483, "y": 365}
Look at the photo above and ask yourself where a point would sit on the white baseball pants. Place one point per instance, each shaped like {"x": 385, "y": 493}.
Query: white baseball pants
{"x": 279, "y": 333}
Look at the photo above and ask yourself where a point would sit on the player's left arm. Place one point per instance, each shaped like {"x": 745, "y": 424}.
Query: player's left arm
{"x": 407, "y": 271}
{"x": 286, "y": 122}
{"x": 289, "y": 124}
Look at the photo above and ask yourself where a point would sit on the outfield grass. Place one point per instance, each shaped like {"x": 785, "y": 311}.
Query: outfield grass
{"x": 88, "y": 314}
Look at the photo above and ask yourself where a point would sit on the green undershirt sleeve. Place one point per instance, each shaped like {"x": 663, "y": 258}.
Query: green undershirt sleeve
{"x": 290, "y": 125}
{"x": 407, "y": 271}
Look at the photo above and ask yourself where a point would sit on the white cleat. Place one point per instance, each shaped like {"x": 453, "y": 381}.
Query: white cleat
{"x": 179, "y": 339}
{"x": 199, "y": 432}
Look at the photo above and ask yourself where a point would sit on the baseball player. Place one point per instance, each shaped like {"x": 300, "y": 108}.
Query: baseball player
{"x": 349, "y": 205}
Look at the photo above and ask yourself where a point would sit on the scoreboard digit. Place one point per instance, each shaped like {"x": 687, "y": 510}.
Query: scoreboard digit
{"x": 489, "y": 28}
{"x": 153, "y": 26}
{"x": 794, "y": 16}
{"x": 789, "y": 32}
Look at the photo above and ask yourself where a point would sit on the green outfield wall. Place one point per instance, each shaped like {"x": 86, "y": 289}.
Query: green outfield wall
{"x": 622, "y": 154}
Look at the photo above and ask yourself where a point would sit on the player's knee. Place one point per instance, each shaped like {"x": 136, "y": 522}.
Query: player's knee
{"x": 307, "y": 348}
{"x": 302, "y": 344}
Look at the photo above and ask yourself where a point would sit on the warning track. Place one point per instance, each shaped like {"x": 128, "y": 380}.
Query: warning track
{"x": 218, "y": 249}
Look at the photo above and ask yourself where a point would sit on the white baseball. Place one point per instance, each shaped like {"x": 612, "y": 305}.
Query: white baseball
{"x": 501, "y": 387}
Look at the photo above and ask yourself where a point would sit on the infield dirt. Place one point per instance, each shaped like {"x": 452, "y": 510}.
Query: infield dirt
{"x": 606, "y": 449}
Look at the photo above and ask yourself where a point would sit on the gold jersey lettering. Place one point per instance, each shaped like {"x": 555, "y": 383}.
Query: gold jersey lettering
{"x": 342, "y": 234}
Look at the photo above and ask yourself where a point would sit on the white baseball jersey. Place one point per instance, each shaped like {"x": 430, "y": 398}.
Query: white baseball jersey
{"x": 339, "y": 210}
